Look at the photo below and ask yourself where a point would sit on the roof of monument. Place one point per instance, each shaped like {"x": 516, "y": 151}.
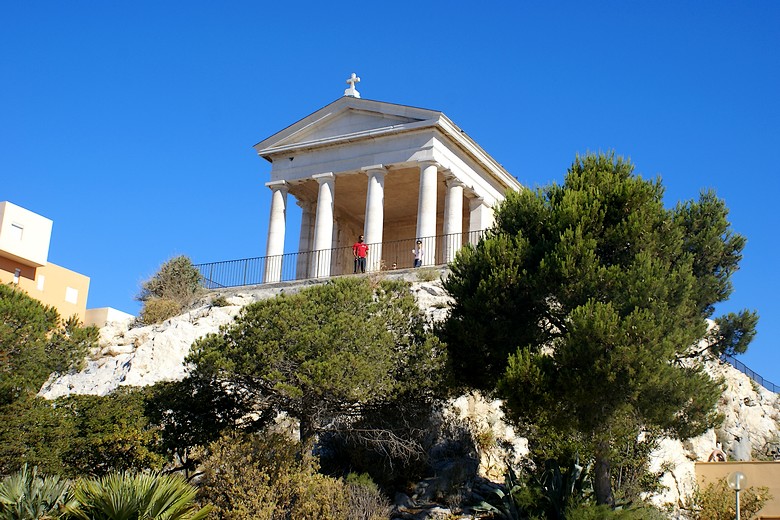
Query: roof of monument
{"x": 349, "y": 120}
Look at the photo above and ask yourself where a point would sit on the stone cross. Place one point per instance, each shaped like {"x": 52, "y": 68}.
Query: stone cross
{"x": 351, "y": 91}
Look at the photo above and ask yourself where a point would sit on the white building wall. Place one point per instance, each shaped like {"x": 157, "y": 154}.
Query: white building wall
{"x": 24, "y": 235}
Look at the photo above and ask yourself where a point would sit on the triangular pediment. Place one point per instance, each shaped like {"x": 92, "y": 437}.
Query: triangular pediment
{"x": 347, "y": 122}
{"x": 346, "y": 118}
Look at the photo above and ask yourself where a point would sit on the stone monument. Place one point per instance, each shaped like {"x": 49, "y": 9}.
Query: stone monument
{"x": 392, "y": 173}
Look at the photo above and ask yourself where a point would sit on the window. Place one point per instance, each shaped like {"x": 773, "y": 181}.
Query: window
{"x": 17, "y": 230}
{"x": 71, "y": 295}
{"x": 41, "y": 280}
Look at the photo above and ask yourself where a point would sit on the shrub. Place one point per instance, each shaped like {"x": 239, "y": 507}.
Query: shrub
{"x": 157, "y": 310}
{"x": 26, "y": 495}
{"x": 427, "y": 274}
{"x": 220, "y": 301}
{"x": 177, "y": 280}
{"x": 591, "y": 511}
{"x": 122, "y": 496}
{"x": 266, "y": 477}
{"x": 717, "y": 502}
{"x": 366, "y": 502}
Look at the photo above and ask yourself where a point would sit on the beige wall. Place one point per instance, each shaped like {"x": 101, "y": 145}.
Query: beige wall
{"x": 50, "y": 284}
{"x": 758, "y": 474}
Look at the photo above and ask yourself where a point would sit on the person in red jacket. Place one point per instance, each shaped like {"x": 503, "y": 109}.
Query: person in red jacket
{"x": 360, "y": 251}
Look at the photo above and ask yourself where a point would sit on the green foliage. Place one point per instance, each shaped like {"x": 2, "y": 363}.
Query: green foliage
{"x": 546, "y": 494}
{"x": 718, "y": 502}
{"x": 111, "y": 434}
{"x": 427, "y": 274}
{"x": 157, "y": 310}
{"x": 560, "y": 489}
{"x": 34, "y": 342}
{"x": 366, "y": 502}
{"x": 507, "y": 503}
{"x": 591, "y": 511}
{"x": 593, "y": 288}
{"x": 329, "y": 351}
{"x": 35, "y": 431}
{"x": 27, "y": 495}
{"x": 194, "y": 412}
{"x": 177, "y": 281}
{"x": 132, "y": 496}
{"x": 79, "y": 435}
{"x": 733, "y": 333}
{"x": 265, "y": 477}
{"x": 220, "y": 301}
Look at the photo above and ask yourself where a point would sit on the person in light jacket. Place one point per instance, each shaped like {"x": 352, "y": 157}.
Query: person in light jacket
{"x": 418, "y": 254}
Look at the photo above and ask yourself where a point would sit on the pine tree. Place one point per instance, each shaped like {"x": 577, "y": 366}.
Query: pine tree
{"x": 331, "y": 351}
{"x": 584, "y": 302}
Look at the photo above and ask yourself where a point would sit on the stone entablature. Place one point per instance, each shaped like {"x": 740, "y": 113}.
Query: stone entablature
{"x": 389, "y": 172}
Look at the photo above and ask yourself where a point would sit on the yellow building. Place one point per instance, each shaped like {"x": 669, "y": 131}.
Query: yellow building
{"x": 24, "y": 252}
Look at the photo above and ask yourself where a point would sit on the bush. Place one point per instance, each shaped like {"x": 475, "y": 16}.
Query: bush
{"x": 366, "y": 502}
{"x": 177, "y": 280}
{"x": 26, "y": 495}
{"x": 427, "y": 274}
{"x": 269, "y": 477}
{"x": 157, "y": 310}
{"x": 121, "y": 496}
{"x": 590, "y": 511}
{"x": 220, "y": 301}
{"x": 717, "y": 502}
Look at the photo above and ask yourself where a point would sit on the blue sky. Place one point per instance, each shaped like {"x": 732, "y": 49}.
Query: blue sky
{"x": 131, "y": 124}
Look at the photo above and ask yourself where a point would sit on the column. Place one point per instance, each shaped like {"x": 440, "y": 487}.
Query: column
{"x": 302, "y": 266}
{"x": 426, "y": 211}
{"x": 323, "y": 225}
{"x": 375, "y": 215}
{"x": 276, "y": 229}
{"x": 480, "y": 218}
{"x": 453, "y": 219}
{"x": 337, "y": 262}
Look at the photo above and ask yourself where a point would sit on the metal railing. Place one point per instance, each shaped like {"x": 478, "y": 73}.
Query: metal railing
{"x": 742, "y": 367}
{"x": 381, "y": 257}
{"x": 325, "y": 263}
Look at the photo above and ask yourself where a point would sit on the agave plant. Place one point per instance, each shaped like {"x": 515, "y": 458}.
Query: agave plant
{"x": 133, "y": 496}
{"x": 504, "y": 503}
{"x": 26, "y": 495}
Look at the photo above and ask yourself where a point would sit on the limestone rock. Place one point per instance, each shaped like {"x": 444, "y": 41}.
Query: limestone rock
{"x": 141, "y": 356}
{"x": 150, "y": 354}
{"x": 750, "y": 430}
{"x": 497, "y": 442}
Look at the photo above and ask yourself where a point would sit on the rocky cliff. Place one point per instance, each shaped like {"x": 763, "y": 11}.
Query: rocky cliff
{"x": 138, "y": 356}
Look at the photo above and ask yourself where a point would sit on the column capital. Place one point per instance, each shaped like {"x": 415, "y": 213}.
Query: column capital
{"x": 374, "y": 168}
{"x": 452, "y": 182}
{"x": 323, "y": 177}
{"x": 427, "y": 163}
{"x": 278, "y": 185}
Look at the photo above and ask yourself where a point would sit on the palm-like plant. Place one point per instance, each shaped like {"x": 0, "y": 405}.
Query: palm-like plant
{"x": 132, "y": 496}
{"x": 26, "y": 495}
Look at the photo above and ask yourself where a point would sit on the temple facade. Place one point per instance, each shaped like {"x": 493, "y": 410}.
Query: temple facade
{"x": 392, "y": 173}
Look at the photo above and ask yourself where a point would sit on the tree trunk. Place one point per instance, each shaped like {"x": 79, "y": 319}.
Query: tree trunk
{"x": 305, "y": 430}
{"x": 602, "y": 483}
